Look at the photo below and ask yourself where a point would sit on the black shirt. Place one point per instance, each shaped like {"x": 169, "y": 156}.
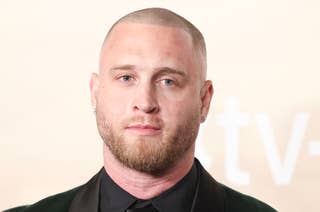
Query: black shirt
{"x": 179, "y": 198}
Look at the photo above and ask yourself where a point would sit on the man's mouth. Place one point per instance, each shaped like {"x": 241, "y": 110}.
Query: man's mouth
{"x": 143, "y": 129}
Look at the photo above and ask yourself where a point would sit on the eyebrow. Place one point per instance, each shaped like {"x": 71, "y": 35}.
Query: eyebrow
{"x": 168, "y": 70}
{"x": 122, "y": 67}
{"x": 159, "y": 70}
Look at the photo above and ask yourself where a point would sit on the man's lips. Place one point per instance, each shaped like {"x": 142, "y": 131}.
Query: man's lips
{"x": 143, "y": 129}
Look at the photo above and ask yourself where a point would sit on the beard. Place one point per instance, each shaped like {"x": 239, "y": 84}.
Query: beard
{"x": 149, "y": 154}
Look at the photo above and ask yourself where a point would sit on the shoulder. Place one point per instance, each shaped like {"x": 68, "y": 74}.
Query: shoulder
{"x": 236, "y": 201}
{"x": 63, "y": 202}
{"x": 55, "y": 203}
{"x": 215, "y": 195}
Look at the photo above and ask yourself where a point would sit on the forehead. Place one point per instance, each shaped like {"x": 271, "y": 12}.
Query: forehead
{"x": 148, "y": 44}
{"x": 149, "y": 32}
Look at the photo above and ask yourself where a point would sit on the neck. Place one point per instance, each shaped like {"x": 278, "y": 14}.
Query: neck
{"x": 143, "y": 185}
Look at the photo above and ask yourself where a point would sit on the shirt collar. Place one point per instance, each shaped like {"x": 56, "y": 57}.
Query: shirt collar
{"x": 178, "y": 198}
{"x": 112, "y": 196}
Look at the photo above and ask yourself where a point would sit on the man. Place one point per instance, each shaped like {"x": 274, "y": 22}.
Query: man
{"x": 150, "y": 96}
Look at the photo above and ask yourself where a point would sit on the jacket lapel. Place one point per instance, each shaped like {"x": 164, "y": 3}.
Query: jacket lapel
{"x": 87, "y": 198}
{"x": 211, "y": 196}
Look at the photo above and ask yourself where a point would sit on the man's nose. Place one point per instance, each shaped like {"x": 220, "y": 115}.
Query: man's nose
{"x": 145, "y": 100}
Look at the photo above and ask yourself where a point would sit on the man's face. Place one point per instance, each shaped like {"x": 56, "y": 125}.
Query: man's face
{"x": 147, "y": 95}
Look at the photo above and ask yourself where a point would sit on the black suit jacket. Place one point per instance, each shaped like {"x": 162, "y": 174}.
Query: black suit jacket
{"x": 212, "y": 197}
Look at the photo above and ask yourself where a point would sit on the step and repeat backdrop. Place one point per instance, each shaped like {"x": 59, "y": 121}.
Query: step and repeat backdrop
{"x": 262, "y": 135}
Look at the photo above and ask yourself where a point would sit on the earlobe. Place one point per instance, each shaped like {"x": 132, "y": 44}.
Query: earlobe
{"x": 206, "y": 96}
{"x": 94, "y": 87}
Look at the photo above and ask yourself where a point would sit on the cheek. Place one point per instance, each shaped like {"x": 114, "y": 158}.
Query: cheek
{"x": 180, "y": 101}
{"x": 180, "y": 110}
{"x": 171, "y": 96}
{"x": 112, "y": 103}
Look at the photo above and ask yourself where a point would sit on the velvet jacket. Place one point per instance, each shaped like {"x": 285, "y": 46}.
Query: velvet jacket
{"x": 212, "y": 197}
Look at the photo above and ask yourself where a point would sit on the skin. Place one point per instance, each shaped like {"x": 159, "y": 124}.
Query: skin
{"x": 148, "y": 88}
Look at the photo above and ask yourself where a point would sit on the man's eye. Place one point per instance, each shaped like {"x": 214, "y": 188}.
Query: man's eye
{"x": 168, "y": 82}
{"x": 126, "y": 78}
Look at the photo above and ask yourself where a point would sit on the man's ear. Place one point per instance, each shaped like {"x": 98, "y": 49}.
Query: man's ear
{"x": 206, "y": 94}
{"x": 94, "y": 87}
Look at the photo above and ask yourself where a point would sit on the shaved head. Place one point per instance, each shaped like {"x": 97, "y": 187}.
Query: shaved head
{"x": 151, "y": 94}
{"x": 165, "y": 17}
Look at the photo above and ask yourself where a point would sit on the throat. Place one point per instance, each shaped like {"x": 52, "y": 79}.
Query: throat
{"x": 142, "y": 185}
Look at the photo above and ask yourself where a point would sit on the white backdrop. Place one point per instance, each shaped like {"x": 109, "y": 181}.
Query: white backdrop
{"x": 262, "y": 135}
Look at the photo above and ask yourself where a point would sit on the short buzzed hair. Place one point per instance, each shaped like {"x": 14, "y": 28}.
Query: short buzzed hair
{"x": 165, "y": 17}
